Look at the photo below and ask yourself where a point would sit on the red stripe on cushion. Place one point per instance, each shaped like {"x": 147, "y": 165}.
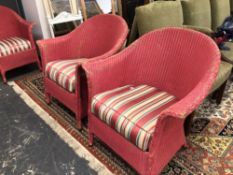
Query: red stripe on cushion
{"x": 133, "y": 112}
{"x": 13, "y": 45}
{"x": 63, "y": 72}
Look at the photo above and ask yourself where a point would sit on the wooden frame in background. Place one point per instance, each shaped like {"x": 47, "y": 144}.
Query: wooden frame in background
{"x": 73, "y": 6}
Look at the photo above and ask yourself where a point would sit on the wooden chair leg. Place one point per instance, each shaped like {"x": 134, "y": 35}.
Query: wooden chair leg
{"x": 4, "y": 77}
{"x": 215, "y": 94}
{"x": 84, "y": 10}
{"x": 219, "y": 93}
{"x": 113, "y": 7}
{"x": 119, "y": 5}
{"x": 188, "y": 123}
{"x": 231, "y": 76}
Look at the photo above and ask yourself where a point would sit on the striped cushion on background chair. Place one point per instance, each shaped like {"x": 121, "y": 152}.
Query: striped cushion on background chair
{"x": 132, "y": 111}
{"x": 13, "y": 45}
{"x": 63, "y": 72}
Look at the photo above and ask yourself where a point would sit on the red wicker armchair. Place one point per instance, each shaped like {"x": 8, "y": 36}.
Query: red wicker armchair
{"x": 17, "y": 46}
{"x": 99, "y": 37}
{"x": 139, "y": 107}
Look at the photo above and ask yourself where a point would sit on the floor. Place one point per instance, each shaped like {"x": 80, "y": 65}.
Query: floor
{"x": 28, "y": 145}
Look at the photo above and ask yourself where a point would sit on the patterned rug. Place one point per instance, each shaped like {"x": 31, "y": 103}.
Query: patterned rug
{"x": 210, "y": 149}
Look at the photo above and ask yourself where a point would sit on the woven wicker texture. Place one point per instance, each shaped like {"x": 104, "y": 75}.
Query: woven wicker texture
{"x": 181, "y": 62}
{"x": 97, "y": 38}
{"x": 13, "y": 45}
{"x": 12, "y": 25}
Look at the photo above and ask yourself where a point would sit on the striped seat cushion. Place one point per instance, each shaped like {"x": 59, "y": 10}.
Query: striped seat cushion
{"x": 63, "y": 72}
{"x": 132, "y": 111}
{"x": 13, "y": 45}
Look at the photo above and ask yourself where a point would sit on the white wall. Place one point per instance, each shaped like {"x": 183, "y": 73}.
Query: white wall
{"x": 35, "y": 12}
{"x": 105, "y": 5}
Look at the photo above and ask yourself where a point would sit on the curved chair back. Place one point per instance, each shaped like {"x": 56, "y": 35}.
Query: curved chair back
{"x": 100, "y": 35}
{"x": 8, "y": 23}
{"x": 173, "y": 59}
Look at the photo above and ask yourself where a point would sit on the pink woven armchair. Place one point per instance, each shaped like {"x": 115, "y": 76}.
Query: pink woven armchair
{"x": 17, "y": 46}
{"x": 139, "y": 98}
{"x": 97, "y": 38}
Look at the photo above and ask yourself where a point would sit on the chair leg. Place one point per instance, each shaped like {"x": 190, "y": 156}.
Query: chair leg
{"x": 4, "y": 77}
{"x": 39, "y": 65}
{"x": 79, "y": 121}
{"x": 220, "y": 92}
{"x": 90, "y": 138}
{"x": 231, "y": 76}
{"x": 48, "y": 98}
{"x": 78, "y": 114}
{"x": 188, "y": 123}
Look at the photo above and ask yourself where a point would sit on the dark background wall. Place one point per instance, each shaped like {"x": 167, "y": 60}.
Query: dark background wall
{"x": 129, "y": 9}
{"x": 15, "y": 5}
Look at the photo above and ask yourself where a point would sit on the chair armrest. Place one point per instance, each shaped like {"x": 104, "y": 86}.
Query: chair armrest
{"x": 25, "y": 29}
{"x": 106, "y": 74}
{"x": 204, "y": 30}
{"x": 195, "y": 97}
{"x": 54, "y": 49}
{"x": 170, "y": 122}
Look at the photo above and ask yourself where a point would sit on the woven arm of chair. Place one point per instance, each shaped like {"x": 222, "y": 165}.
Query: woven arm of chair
{"x": 54, "y": 49}
{"x": 106, "y": 74}
{"x": 204, "y": 30}
{"x": 170, "y": 123}
{"x": 196, "y": 96}
{"x": 25, "y": 28}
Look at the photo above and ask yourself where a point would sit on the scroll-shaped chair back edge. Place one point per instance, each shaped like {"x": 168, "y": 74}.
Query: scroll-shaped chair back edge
{"x": 8, "y": 23}
{"x": 99, "y": 35}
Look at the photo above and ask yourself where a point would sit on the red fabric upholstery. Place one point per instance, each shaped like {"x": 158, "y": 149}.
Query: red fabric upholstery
{"x": 13, "y": 45}
{"x": 97, "y": 38}
{"x": 63, "y": 72}
{"x": 14, "y": 27}
{"x": 181, "y": 62}
{"x": 132, "y": 111}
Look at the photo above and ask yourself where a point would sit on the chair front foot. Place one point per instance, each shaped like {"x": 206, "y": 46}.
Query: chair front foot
{"x": 188, "y": 123}
{"x": 79, "y": 124}
{"x": 78, "y": 118}
{"x": 39, "y": 65}
{"x": 90, "y": 138}
{"x": 218, "y": 95}
{"x": 4, "y": 77}
{"x": 48, "y": 98}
